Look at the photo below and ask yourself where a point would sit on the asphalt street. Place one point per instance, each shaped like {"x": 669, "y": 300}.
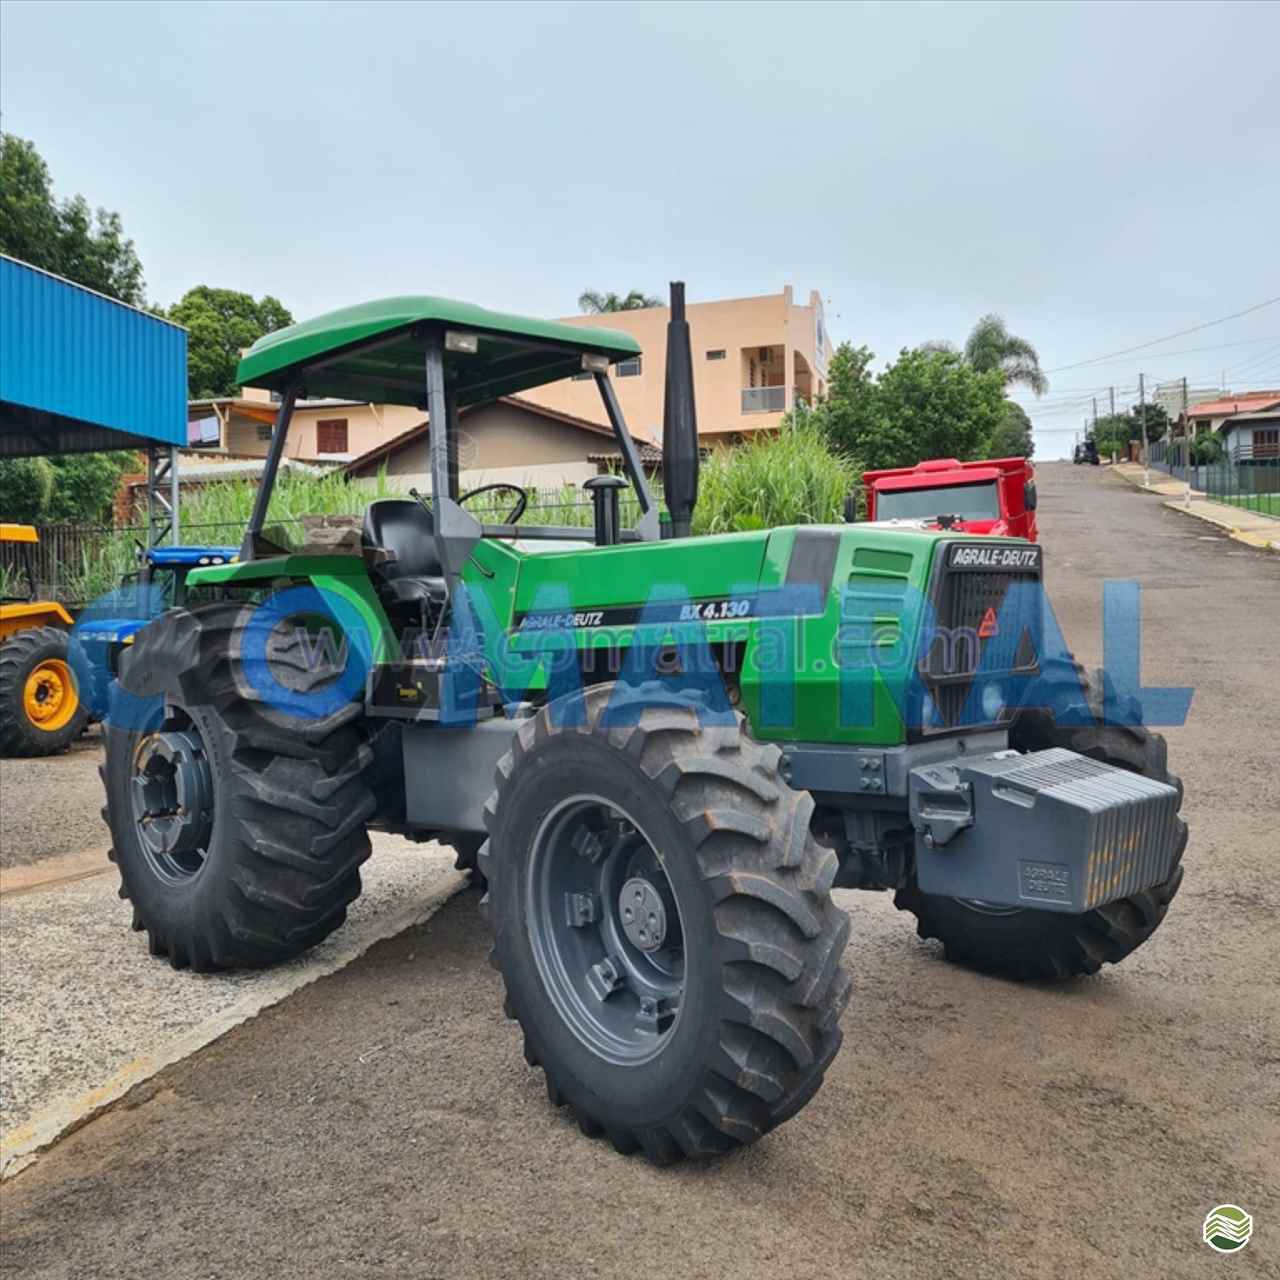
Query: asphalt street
{"x": 382, "y": 1121}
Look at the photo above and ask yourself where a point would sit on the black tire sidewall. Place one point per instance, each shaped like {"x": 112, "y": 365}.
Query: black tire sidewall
{"x": 556, "y": 770}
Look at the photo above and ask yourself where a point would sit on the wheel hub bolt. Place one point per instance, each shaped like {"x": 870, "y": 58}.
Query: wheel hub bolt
{"x": 643, "y": 914}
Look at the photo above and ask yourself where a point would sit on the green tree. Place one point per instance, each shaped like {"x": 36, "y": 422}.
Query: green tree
{"x": 1157, "y": 420}
{"x": 990, "y": 347}
{"x": 1012, "y": 437}
{"x": 929, "y": 404}
{"x": 1205, "y": 449}
{"x": 1112, "y": 433}
{"x": 85, "y": 484}
{"x": 26, "y": 485}
{"x": 220, "y": 323}
{"x": 67, "y": 237}
{"x": 76, "y": 487}
{"x": 593, "y": 302}
{"x": 932, "y": 404}
{"x": 846, "y": 414}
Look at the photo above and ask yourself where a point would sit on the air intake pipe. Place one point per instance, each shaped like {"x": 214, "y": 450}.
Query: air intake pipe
{"x": 679, "y": 422}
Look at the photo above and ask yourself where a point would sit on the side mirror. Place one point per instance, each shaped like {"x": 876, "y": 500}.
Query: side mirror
{"x": 1029, "y": 495}
{"x": 850, "y": 508}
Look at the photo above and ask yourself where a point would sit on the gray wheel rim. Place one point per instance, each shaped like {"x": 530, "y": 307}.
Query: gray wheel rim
{"x": 171, "y": 799}
{"x": 606, "y": 929}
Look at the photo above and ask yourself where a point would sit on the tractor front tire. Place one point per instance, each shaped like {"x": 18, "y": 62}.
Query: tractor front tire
{"x": 238, "y": 834}
{"x": 664, "y": 927}
{"x": 41, "y": 710}
{"x": 1050, "y": 945}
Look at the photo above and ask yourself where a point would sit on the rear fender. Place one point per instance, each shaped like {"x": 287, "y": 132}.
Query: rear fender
{"x": 37, "y": 613}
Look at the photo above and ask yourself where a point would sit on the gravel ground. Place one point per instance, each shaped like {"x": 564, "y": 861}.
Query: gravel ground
{"x": 382, "y": 1121}
{"x": 81, "y": 998}
{"x": 50, "y": 805}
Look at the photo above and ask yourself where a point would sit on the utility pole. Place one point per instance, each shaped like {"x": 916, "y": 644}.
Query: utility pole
{"x": 1186, "y": 437}
{"x": 1146, "y": 447}
{"x": 1095, "y": 415}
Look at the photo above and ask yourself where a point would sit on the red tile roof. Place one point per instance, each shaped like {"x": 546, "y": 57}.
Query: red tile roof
{"x": 1245, "y": 402}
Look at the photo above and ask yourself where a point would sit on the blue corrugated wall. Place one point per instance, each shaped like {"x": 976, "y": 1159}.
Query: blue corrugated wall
{"x": 67, "y": 351}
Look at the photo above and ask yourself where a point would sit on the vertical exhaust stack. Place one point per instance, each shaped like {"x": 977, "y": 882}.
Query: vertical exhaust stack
{"x": 679, "y": 422}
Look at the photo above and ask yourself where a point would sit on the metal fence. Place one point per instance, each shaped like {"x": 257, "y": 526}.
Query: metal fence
{"x": 1248, "y": 478}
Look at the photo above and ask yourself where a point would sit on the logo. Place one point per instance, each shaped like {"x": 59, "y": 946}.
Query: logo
{"x": 990, "y": 627}
{"x": 1011, "y": 556}
{"x": 1227, "y": 1228}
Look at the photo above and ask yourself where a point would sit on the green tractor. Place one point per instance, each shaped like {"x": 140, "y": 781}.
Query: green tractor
{"x": 659, "y": 753}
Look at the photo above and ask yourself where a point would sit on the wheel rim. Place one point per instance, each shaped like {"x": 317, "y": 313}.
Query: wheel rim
{"x": 171, "y": 795}
{"x": 49, "y": 696}
{"x": 606, "y": 929}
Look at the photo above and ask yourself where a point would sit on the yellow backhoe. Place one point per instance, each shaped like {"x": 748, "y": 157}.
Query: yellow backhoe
{"x": 40, "y": 707}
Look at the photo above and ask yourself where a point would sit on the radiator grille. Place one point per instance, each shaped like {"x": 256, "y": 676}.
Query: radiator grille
{"x": 978, "y": 627}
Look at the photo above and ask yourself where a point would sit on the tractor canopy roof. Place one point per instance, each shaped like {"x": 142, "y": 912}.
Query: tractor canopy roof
{"x": 375, "y": 351}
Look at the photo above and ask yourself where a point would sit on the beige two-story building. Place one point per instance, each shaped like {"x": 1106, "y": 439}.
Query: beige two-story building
{"x": 752, "y": 359}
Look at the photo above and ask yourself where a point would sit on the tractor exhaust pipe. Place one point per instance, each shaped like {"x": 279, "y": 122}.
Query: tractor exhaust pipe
{"x": 679, "y": 422}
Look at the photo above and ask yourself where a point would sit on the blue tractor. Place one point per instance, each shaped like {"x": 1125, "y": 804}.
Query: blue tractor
{"x": 107, "y": 627}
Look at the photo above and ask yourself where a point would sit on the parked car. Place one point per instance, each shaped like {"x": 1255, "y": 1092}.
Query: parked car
{"x": 1086, "y": 452}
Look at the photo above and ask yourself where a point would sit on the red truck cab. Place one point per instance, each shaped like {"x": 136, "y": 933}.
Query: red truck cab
{"x": 996, "y": 497}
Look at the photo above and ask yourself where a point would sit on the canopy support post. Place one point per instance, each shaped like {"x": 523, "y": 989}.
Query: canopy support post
{"x": 647, "y": 528}
{"x": 268, "y": 482}
{"x": 162, "y": 495}
{"x": 456, "y": 530}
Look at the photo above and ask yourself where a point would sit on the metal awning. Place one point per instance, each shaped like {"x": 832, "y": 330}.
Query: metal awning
{"x": 80, "y": 372}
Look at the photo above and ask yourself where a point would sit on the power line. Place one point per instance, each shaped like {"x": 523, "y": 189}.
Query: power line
{"x": 1155, "y": 342}
{"x": 1252, "y": 362}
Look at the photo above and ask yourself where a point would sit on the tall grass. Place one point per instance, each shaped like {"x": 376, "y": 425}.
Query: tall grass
{"x": 296, "y": 494}
{"x": 790, "y": 478}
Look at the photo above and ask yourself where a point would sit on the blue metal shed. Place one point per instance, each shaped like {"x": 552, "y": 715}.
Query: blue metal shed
{"x": 80, "y": 372}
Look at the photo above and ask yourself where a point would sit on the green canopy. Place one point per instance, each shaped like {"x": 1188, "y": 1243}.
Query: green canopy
{"x": 376, "y": 352}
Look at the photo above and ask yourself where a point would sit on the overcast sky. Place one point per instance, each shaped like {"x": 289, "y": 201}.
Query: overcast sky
{"x": 1100, "y": 175}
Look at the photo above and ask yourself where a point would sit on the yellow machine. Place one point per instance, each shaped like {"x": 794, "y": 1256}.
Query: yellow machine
{"x": 40, "y": 706}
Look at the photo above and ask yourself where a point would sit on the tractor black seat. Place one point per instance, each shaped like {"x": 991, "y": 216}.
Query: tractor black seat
{"x": 404, "y": 528}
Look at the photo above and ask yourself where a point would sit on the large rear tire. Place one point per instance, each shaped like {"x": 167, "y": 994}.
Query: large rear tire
{"x": 238, "y": 831}
{"x": 664, "y": 927}
{"x": 41, "y": 710}
{"x": 1030, "y": 945}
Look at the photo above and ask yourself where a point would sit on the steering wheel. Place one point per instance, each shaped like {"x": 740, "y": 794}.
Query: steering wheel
{"x": 522, "y": 499}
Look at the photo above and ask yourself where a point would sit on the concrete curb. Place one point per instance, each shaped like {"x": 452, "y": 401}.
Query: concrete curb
{"x": 1247, "y": 536}
{"x": 20, "y": 1147}
{"x": 53, "y": 873}
{"x": 1173, "y": 495}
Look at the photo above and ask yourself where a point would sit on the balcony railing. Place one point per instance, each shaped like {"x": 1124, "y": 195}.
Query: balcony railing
{"x": 764, "y": 399}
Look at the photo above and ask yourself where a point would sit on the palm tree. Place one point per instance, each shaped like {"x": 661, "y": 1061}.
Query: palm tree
{"x": 595, "y": 303}
{"x": 990, "y": 345}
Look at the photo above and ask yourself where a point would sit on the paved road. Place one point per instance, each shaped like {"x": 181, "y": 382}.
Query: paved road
{"x": 383, "y": 1121}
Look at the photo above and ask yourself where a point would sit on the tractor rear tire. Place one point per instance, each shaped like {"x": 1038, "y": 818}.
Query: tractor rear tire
{"x": 41, "y": 710}
{"x": 716, "y": 1027}
{"x": 1050, "y": 945}
{"x": 265, "y": 813}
